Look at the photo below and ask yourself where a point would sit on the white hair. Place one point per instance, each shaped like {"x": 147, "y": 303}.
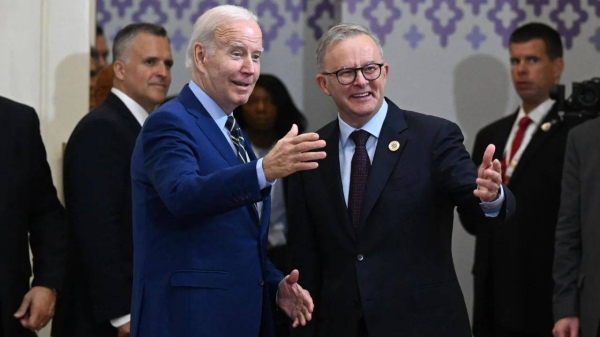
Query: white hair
{"x": 207, "y": 23}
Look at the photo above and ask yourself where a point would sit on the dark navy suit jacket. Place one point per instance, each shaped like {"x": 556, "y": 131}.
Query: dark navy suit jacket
{"x": 396, "y": 270}
{"x": 200, "y": 264}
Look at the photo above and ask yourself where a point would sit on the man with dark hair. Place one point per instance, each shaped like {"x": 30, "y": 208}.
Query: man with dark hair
{"x": 101, "y": 46}
{"x": 576, "y": 271}
{"x": 30, "y": 217}
{"x": 513, "y": 259}
{"x": 371, "y": 227}
{"x": 97, "y": 182}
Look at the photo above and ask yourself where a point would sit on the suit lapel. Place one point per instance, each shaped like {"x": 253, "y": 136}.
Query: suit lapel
{"x": 501, "y": 137}
{"x": 384, "y": 159}
{"x": 538, "y": 139}
{"x": 130, "y": 121}
{"x": 332, "y": 179}
{"x": 212, "y": 132}
{"x": 207, "y": 125}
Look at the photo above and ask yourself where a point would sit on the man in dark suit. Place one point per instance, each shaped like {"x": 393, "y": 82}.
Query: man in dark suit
{"x": 201, "y": 200}
{"x": 371, "y": 227}
{"x": 98, "y": 184}
{"x": 513, "y": 260}
{"x": 577, "y": 256}
{"x": 30, "y": 216}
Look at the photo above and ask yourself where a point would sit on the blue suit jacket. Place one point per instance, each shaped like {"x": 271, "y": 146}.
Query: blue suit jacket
{"x": 200, "y": 264}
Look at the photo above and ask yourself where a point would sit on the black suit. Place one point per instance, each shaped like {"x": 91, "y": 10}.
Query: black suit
{"x": 513, "y": 260}
{"x": 97, "y": 185}
{"x": 395, "y": 275}
{"x": 28, "y": 206}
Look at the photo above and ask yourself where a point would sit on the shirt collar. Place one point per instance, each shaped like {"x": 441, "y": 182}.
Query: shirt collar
{"x": 214, "y": 110}
{"x": 373, "y": 126}
{"x": 537, "y": 114}
{"x": 134, "y": 107}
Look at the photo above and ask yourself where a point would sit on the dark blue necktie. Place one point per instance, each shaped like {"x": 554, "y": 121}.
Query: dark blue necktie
{"x": 359, "y": 172}
{"x": 236, "y": 137}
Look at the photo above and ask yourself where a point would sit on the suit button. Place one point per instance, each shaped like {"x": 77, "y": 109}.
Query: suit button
{"x": 360, "y": 257}
{"x": 261, "y": 282}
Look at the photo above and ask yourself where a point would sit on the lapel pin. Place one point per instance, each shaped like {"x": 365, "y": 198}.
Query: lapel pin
{"x": 546, "y": 126}
{"x": 394, "y": 146}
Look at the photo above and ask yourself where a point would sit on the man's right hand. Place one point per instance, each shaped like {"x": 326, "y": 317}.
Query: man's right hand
{"x": 566, "y": 327}
{"x": 124, "y": 330}
{"x": 292, "y": 153}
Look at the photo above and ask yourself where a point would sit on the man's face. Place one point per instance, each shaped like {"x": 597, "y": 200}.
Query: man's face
{"x": 260, "y": 112}
{"x": 359, "y": 101}
{"x": 533, "y": 72}
{"x": 229, "y": 72}
{"x": 146, "y": 74}
{"x": 102, "y": 50}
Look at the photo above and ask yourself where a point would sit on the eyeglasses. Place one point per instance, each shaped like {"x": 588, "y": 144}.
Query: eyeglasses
{"x": 347, "y": 76}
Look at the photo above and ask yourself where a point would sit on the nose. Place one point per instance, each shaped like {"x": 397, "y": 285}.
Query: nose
{"x": 521, "y": 67}
{"x": 249, "y": 66}
{"x": 163, "y": 70}
{"x": 360, "y": 79}
{"x": 260, "y": 106}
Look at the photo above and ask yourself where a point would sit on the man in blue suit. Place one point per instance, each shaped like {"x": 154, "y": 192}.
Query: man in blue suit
{"x": 201, "y": 199}
{"x": 371, "y": 228}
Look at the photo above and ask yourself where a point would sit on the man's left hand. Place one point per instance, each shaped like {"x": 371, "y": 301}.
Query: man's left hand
{"x": 295, "y": 301}
{"x": 489, "y": 176}
{"x": 37, "y": 308}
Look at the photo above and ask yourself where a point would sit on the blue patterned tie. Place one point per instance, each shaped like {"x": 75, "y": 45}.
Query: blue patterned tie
{"x": 236, "y": 137}
{"x": 359, "y": 172}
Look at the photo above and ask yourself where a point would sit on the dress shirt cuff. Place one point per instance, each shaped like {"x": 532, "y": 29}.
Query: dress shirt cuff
{"x": 118, "y": 322}
{"x": 262, "y": 180}
{"x": 492, "y": 208}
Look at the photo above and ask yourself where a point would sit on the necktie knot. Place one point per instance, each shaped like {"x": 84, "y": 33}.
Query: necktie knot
{"x": 231, "y": 125}
{"x": 360, "y": 137}
{"x": 524, "y": 122}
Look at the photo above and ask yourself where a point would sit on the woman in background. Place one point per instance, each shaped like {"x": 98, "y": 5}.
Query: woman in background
{"x": 265, "y": 118}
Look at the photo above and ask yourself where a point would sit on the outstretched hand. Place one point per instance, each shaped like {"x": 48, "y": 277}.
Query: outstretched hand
{"x": 295, "y": 301}
{"x": 293, "y": 153}
{"x": 489, "y": 176}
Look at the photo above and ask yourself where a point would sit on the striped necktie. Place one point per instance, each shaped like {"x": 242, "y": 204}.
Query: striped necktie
{"x": 236, "y": 137}
{"x": 238, "y": 142}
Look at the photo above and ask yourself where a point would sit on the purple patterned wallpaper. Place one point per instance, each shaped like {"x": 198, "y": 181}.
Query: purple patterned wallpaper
{"x": 503, "y": 15}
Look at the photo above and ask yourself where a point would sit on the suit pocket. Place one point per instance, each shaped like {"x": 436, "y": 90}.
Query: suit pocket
{"x": 437, "y": 295}
{"x": 201, "y": 279}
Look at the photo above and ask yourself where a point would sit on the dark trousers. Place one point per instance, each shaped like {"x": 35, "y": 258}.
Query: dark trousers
{"x": 501, "y": 332}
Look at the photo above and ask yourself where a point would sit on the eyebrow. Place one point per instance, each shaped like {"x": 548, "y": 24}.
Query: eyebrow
{"x": 234, "y": 44}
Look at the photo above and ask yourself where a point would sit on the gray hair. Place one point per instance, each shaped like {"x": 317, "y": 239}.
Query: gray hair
{"x": 339, "y": 33}
{"x": 126, "y": 35}
{"x": 207, "y": 23}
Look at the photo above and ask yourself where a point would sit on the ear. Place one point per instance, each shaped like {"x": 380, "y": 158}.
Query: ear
{"x": 322, "y": 83}
{"x": 119, "y": 69}
{"x": 385, "y": 69}
{"x": 200, "y": 56}
{"x": 559, "y": 65}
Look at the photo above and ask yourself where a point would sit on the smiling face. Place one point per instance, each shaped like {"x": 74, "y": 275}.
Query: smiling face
{"x": 533, "y": 72}
{"x": 229, "y": 71}
{"x": 145, "y": 74}
{"x": 359, "y": 101}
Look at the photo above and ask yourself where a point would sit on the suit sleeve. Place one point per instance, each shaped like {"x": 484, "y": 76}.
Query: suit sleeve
{"x": 473, "y": 221}
{"x": 47, "y": 226}
{"x": 183, "y": 176}
{"x": 96, "y": 189}
{"x": 454, "y": 170}
{"x": 567, "y": 255}
{"x": 304, "y": 248}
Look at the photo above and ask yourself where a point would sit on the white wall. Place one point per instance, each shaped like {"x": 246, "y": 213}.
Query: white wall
{"x": 45, "y": 64}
